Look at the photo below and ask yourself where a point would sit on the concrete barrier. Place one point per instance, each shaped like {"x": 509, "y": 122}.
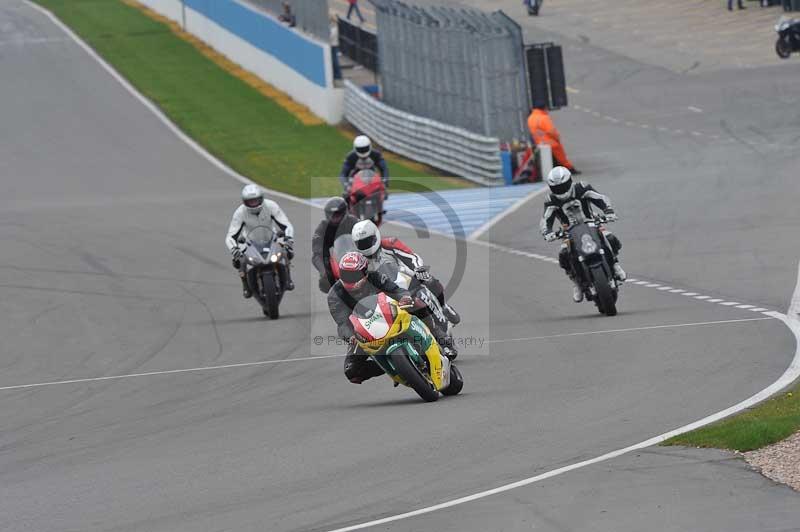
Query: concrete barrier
{"x": 295, "y": 63}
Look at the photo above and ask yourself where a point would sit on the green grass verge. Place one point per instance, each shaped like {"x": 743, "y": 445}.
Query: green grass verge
{"x": 251, "y": 133}
{"x": 766, "y": 423}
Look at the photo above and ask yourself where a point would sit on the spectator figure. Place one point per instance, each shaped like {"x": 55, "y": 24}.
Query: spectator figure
{"x": 354, "y": 7}
{"x": 337, "y": 70}
{"x": 287, "y": 17}
{"x": 739, "y": 2}
{"x": 544, "y": 131}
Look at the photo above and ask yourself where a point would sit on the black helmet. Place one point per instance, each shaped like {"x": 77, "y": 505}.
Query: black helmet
{"x": 335, "y": 209}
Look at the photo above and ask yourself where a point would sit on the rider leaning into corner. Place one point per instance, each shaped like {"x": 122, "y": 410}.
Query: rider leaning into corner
{"x": 362, "y": 157}
{"x": 563, "y": 191}
{"x": 392, "y": 250}
{"x": 256, "y": 211}
{"x": 337, "y": 222}
{"x": 355, "y": 283}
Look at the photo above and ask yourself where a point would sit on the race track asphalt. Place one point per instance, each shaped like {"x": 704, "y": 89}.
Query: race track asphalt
{"x": 114, "y": 264}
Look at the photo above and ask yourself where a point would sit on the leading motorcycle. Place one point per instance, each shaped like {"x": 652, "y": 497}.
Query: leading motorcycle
{"x": 266, "y": 266}
{"x": 788, "y": 37}
{"x": 592, "y": 258}
{"x": 403, "y": 346}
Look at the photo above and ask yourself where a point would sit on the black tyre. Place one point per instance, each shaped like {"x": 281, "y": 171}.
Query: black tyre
{"x": 605, "y": 294}
{"x": 782, "y": 48}
{"x": 270, "y": 295}
{"x": 412, "y": 375}
{"x": 456, "y": 382}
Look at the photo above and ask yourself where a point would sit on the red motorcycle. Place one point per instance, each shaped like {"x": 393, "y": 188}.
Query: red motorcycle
{"x": 366, "y": 196}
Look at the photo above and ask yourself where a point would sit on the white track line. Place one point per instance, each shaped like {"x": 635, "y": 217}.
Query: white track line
{"x": 323, "y": 357}
{"x": 790, "y": 375}
{"x": 480, "y": 231}
{"x": 631, "y": 329}
{"x": 153, "y": 108}
{"x": 166, "y": 372}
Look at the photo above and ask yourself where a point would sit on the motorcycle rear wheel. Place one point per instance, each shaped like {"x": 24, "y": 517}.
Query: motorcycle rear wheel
{"x": 413, "y": 376}
{"x": 783, "y": 48}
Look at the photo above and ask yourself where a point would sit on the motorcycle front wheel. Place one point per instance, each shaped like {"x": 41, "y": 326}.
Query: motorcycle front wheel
{"x": 413, "y": 377}
{"x": 270, "y": 295}
{"x": 456, "y": 382}
{"x": 783, "y": 48}
{"x": 605, "y": 300}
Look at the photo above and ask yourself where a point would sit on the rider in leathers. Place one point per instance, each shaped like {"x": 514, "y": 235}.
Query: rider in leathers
{"x": 356, "y": 283}
{"x": 380, "y": 251}
{"x": 337, "y": 222}
{"x": 362, "y": 157}
{"x": 367, "y": 239}
{"x": 563, "y": 191}
{"x": 255, "y": 211}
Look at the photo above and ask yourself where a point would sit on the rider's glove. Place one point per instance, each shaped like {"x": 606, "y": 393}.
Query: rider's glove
{"x": 406, "y": 301}
{"x": 422, "y": 274}
{"x": 237, "y": 253}
{"x": 549, "y": 237}
{"x": 289, "y": 245}
{"x": 611, "y": 217}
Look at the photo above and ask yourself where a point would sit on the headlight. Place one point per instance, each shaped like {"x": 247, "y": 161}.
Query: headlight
{"x": 588, "y": 245}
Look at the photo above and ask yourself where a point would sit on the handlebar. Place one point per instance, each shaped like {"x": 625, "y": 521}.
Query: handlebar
{"x": 598, "y": 219}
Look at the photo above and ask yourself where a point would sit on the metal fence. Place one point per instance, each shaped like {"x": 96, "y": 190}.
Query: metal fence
{"x": 475, "y": 157}
{"x": 458, "y": 66}
{"x": 358, "y": 44}
{"x": 312, "y": 15}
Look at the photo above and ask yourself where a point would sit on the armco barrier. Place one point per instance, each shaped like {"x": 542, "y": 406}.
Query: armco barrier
{"x": 295, "y": 63}
{"x": 466, "y": 154}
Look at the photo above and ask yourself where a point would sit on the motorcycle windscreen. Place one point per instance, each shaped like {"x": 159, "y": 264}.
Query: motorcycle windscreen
{"x": 261, "y": 238}
{"x": 373, "y": 317}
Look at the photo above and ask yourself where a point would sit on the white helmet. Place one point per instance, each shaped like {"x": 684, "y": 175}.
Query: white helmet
{"x": 362, "y": 146}
{"x": 560, "y": 182}
{"x": 253, "y": 198}
{"x": 366, "y": 237}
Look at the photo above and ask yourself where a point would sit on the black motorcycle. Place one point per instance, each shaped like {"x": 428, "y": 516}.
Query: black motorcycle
{"x": 533, "y": 6}
{"x": 788, "y": 37}
{"x": 593, "y": 261}
{"x": 266, "y": 263}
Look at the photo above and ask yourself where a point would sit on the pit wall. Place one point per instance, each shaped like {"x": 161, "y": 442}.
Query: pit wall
{"x": 291, "y": 61}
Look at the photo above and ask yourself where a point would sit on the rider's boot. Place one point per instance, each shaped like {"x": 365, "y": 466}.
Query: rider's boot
{"x": 451, "y": 314}
{"x": 450, "y": 352}
{"x": 577, "y": 292}
{"x": 289, "y": 282}
{"x": 448, "y": 346}
{"x": 246, "y": 288}
{"x": 619, "y": 273}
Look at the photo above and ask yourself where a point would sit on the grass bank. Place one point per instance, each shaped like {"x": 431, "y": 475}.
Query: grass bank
{"x": 230, "y": 118}
{"x": 765, "y": 424}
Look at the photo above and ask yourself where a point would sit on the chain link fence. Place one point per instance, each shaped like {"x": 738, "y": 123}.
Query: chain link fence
{"x": 458, "y": 66}
{"x": 312, "y": 15}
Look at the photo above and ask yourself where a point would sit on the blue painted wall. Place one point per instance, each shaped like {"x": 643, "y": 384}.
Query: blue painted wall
{"x": 299, "y": 54}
